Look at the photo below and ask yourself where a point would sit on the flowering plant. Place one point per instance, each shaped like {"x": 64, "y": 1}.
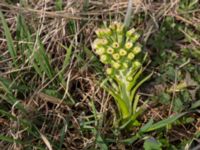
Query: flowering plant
{"x": 122, "y": 55}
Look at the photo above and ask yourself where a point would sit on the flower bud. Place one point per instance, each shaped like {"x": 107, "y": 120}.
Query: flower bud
{"x": 104, "y": 41}
{"x": 136, "y": 50}
{"x": 129, "y": 78}
{"x": 131, "y": 56}
{"x": 122, "y": 52}
{"x": 115, "y": 45}
{"x": 99, "y": 32}
{"x": 110, "y": 50}
{"x": 128, "y": 45}
{"x": 135, "y": 37}
{"x": 136, "y": 64}
{"x": 103, "y": 59}
{"x": 96, "y": 43}
{"x": 125, "y": 65}
{"x": 116, "y": 56}
{"x": 109, "y": 71}
{"x": 116, "y": 65}
{"x": 130, "y": 33}
{"x": 100, "y": 51}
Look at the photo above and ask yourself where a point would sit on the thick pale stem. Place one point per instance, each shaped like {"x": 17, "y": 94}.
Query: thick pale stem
{"x": 126, "y": 94}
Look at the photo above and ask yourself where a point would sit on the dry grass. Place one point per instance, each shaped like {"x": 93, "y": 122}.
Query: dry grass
{"x": 75, "y": 114}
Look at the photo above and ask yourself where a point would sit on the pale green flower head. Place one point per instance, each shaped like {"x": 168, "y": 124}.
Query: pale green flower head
{"x": 117, "y": 48}
{"x": 121, "y": 53}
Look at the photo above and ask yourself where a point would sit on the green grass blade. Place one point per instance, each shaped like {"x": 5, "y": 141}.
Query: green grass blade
{"x": 59, "y": 5}
{"x": 131, "y": 139}
{"x": 10, "y": 139}
{"x": 8, "y": 96}
{"x": 129, "y": 122}
{"x": 67, "y": 56}
{"x": 100, "y": 141}
{"x": 30, "y": 128}
{"x": 43, "y": 61}
{"x": 40, "y": 60}
{"x": 64, "y": 130}
{"x": 65, "y": 63}
{"x": 11, "y": 47}
{"x": 23, "y": 34}
{"x": 8, "y": 115}
{"x": 147, "y": 125}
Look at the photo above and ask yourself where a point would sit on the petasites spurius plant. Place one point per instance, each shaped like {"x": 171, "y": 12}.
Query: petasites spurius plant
{"x": 121, "y": 53}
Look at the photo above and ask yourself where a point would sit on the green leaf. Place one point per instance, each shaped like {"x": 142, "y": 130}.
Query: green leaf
{"x": 131, "y": 140}
{"x": 123, "y": 108}
{"x": 195, "y": 105}
{"x": 165, "y": 122}
{"x": 152, "y": 144}
{"x": 178, "y": 105}
{"x": 164, "y": 98}
{"x": 100, "y": 142}
{"x": 147, "y": 125}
